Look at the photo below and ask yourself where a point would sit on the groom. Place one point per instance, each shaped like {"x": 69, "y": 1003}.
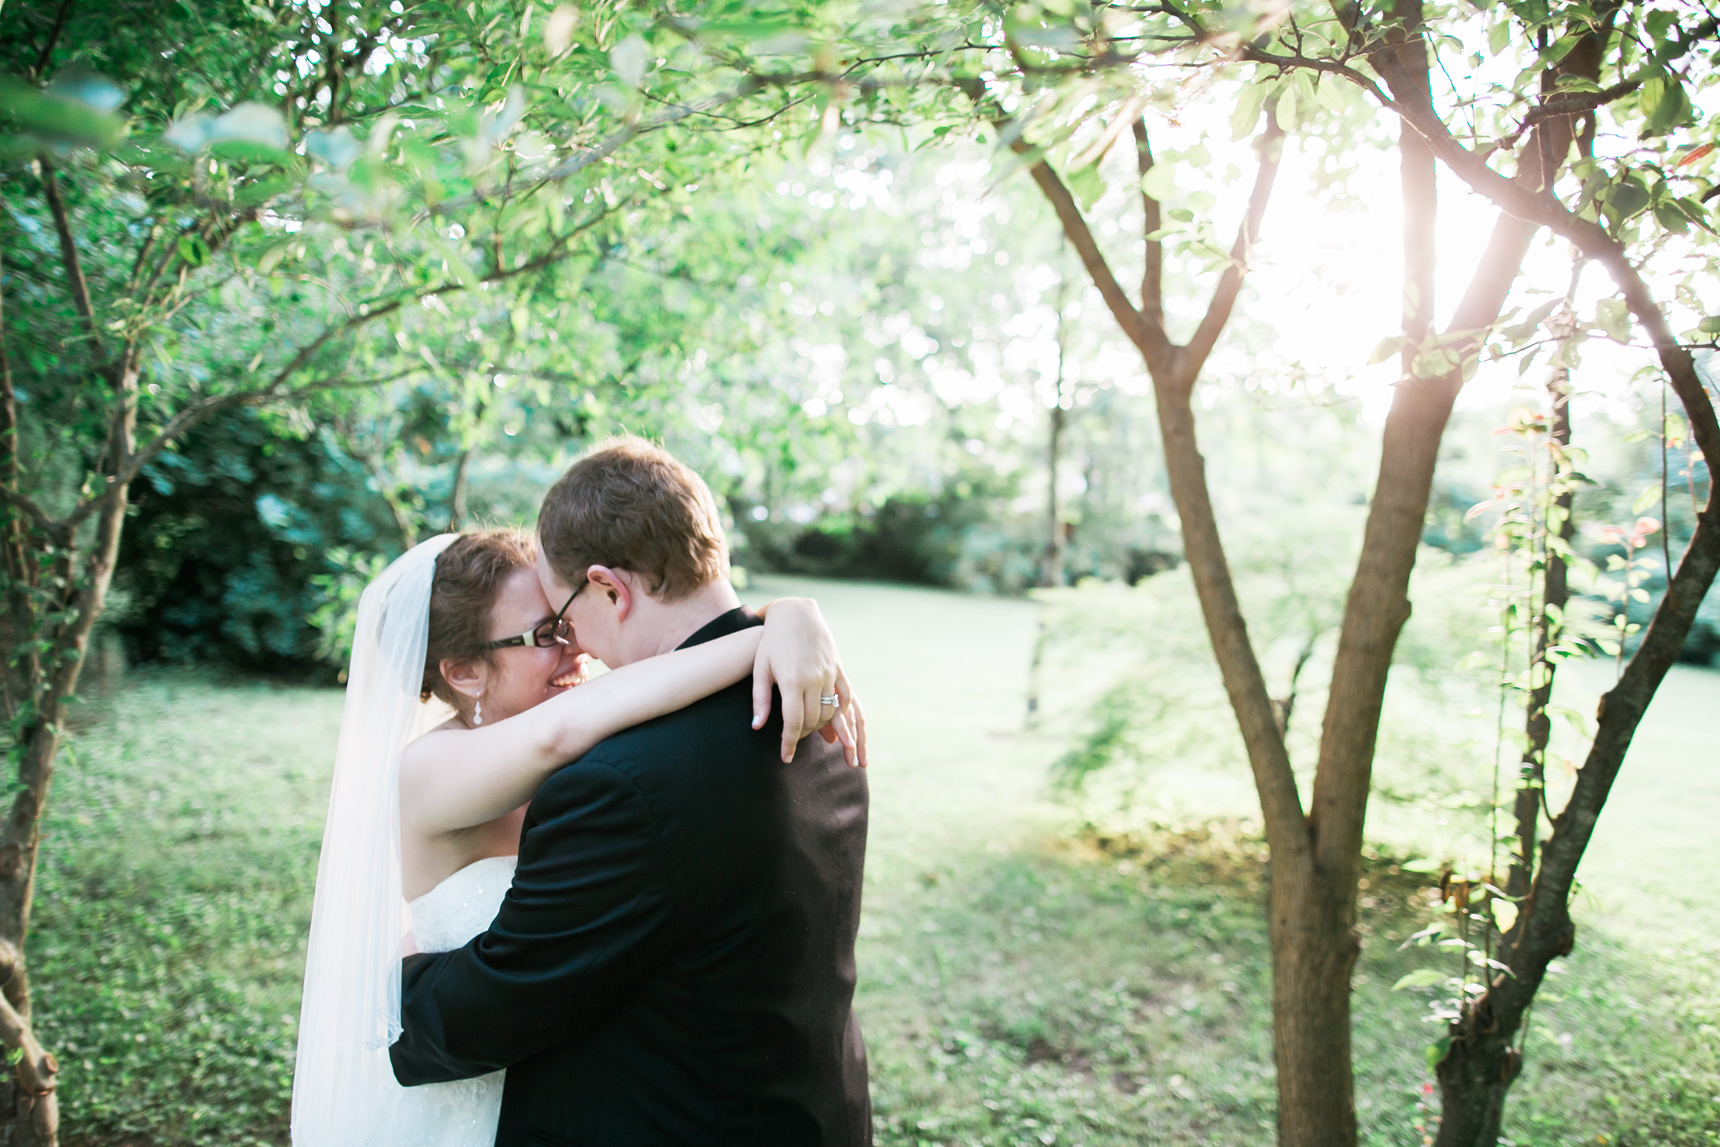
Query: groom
{"x": 674, "y": 964}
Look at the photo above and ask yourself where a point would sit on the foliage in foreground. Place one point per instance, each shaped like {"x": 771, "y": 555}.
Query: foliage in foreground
{"x": 1006, "y": 995}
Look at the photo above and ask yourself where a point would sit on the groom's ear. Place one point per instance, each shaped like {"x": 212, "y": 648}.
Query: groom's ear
{"x": 613, "y": 585}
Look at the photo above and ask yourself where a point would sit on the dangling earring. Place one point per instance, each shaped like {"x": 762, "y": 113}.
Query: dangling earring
{"x": 478, "y": 712}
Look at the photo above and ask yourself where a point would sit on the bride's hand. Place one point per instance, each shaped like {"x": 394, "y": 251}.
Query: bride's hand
{"x": 849, "y": 727}
{"x": 797, "y": 654}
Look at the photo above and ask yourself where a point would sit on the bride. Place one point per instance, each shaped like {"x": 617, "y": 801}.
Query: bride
{"x": 430, "y": 812}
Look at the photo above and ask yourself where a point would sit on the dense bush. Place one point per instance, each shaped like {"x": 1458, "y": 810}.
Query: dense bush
{"x": 230, "y": 538}
{"x": 962, "y": 538}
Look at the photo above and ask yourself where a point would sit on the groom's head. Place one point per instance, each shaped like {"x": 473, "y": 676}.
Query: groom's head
{"x": 633, "y": 536}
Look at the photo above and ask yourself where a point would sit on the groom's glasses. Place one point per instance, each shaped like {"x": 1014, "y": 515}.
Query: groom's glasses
{"x": 557, "y": 630}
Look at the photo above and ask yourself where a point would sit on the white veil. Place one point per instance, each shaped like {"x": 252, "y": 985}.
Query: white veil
{"x": 343, "y": 1087}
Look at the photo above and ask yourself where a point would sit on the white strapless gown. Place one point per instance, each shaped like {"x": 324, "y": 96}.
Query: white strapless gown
{"x": 464, "y": 1113}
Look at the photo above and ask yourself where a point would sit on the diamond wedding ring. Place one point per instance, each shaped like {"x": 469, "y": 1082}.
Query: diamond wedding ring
{"x": 830, "y": 700}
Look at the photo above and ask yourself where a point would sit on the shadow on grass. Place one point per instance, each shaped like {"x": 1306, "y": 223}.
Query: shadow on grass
{"x": 1109, "y": 991}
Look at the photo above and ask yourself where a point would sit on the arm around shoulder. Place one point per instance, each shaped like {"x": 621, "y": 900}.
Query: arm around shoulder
{"x": 589, "y": 917}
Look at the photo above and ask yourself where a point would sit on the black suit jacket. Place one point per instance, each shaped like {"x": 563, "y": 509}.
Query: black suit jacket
{"x": 674, "y": 963}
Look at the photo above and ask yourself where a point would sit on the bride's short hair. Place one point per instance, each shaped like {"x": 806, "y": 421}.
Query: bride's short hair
{"x": 469, "y": 577}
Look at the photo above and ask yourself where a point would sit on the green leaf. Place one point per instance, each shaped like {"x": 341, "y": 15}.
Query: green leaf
{"x": 1657, "y": 24}
{"x": 1434, "y": 362}
{"x": 1247, "y": 112}
{"x": 1695, "y": 212}
{"x": 259, "y": 193}
{"x": 1709, "y": 325}
{"x": 1613, "y": 317}
{"x": 1287, "y": 110}
{"x": 744, "y": 30}
{"x": 1559, "y": 49}
{"x": 1666, "y": 212}
{"x": 1437, "y": 1051}
{"x": 58, "y": 118}
{"x": 1625, "y": 198}
{"x": 1159, "y": 182}
{"x": 336, "y": 148}
{"x": 1517, "y": 332}
{"x": 630, "y": 58}
{"x": 1575, "y": 719}
{"x": 1420, "y": 978}
{"x": 1088, "y": 185}
{"x": 1664, "y": 104}
{"x": 1649, "y": 496}
{"x": 272, "y": 257}
{"x": 1386, "y": 349}
{"x": 193, "y": 250}
{"x": 1499, "y": 36}
{"x": 1331, "y": 94}
{"x": 457, "y": 266}
{"x": 251, "y": 122}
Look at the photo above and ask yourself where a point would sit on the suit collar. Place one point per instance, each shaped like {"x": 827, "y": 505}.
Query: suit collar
{"x": 732, "y": 621}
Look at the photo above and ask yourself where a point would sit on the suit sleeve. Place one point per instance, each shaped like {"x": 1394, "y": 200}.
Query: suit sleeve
{"x": 585, "y": 924}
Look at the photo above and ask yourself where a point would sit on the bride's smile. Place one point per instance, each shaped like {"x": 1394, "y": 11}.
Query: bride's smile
{"x": 521, "y": 674}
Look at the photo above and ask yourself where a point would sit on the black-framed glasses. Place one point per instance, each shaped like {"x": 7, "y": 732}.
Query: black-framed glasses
{"x": 555, "y": 630}
{"x": 561, "y": 614}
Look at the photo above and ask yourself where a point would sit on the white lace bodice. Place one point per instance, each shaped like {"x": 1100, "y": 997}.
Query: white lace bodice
{"x": 464, "y": 1113}
{"x": 461, "y": 906}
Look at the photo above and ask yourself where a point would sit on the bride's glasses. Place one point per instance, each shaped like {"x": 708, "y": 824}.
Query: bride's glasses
{"x": 557, "y": 630}
{"x": 553, "y": 631}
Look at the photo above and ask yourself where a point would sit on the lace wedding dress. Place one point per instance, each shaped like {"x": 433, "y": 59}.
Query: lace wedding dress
{"x": 464, "y": 1113}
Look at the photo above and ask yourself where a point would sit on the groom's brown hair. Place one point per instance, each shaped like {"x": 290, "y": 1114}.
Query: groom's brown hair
{"x": 630, "y": 505}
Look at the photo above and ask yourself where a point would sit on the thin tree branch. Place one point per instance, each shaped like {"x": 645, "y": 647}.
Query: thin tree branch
{"x": 75, "y": 281}
{"x": 47, "y": 54}
{"x": 1542, "y": 208}
{"x": 38, "y": 516}
{"x": 1314, "y": 63}
{"x": 1269, "y": 147}
{"x": 1377, "y": 604}
{"x": 1417, "y": 178}
{"x": 1150, "y": 338}
{"x": 276, "y": 389}
{"x": 37, "y": 1070}
{"x": 1152, "y": 273}
{"x": 207, "y": 408}
{"x": 1280, "y": 803}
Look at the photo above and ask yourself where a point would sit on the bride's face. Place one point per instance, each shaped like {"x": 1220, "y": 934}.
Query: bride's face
{"x": 521, "y": 676}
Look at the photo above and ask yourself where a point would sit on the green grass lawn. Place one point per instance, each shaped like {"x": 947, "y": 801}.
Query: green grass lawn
{"x": 1020, "y": 983}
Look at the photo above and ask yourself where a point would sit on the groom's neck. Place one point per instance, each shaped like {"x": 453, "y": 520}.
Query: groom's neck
{"x": 663, "y": 626}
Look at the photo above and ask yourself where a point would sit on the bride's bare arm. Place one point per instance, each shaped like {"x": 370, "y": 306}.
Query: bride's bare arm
{"x": 457, "y": 778}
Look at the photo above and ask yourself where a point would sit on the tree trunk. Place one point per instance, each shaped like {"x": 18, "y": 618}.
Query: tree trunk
{"x": 1035, "y": 669}
{"x": 1313, "y": 946}
{"x": 1313, "y": 953}
{"x": 1483, "y": 1060}
{"x": 1051, "y": 567}
{"x": 457, "y": 501}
